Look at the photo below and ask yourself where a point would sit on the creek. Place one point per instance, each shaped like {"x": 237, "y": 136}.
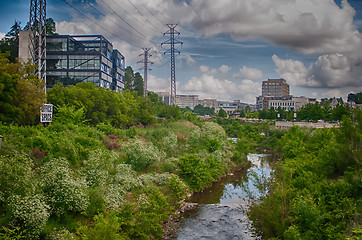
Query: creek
{"x": 220, "y": 212}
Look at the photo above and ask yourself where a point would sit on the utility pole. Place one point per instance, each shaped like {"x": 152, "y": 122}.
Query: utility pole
{"x": 172, "y": 50}
{"x": 37, "y": 27}
{"x": 145, "y": 62}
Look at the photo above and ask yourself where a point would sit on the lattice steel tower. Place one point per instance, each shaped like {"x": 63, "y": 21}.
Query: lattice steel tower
{"x": 172, "y": 50}
{"x": 38, "y": 36}
{"x": 145, "y": 62}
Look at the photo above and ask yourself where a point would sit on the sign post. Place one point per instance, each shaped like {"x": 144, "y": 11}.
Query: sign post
{"x": 46, "y": 113}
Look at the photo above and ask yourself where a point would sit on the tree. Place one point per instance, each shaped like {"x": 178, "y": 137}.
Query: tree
{"x": 357, "y": 98}
{"x": 21, "y": 93}
{"x": 138, "y": 84}
{"x": 222, "y": 113}
{"x": 10, "y": 43}
{"x": 128, "y": 78}
{"x": 242, "y": 114}
{"x": 311, "y": 112}
{"x": 50, "y": 26}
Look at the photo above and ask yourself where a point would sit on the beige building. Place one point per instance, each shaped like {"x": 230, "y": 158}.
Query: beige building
{"x": 275, "y": 87}
{"x": 211, "y": 103}
{"x": 187, "y": 101}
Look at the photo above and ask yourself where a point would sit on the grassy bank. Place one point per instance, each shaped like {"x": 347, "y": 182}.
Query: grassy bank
{"x": 69, "y": 181}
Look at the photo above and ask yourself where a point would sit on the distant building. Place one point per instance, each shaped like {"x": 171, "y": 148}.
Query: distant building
{"x": 165, "y": 97}
{"x": 276, "y": 93}
{"x": 74, "y": 59}
{"x": 275, "y": 87}
{"x": 211, "y": 103}
{"x": 187, "y": 101}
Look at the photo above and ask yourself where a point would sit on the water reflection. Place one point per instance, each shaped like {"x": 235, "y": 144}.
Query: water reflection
{"x": 242, "y": 187}
{"x": 223, "y": 207}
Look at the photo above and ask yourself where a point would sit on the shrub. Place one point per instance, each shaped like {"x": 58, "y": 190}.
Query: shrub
{"x": 177, "y": 187}
{"x": 194, "y": 171}
{"x": 16, "y": 176}
{"x": 63, "y": 189}
{"x": 213, "y": 130}
{"x": 30, "y": 213}
{"x": 170, "y": 142}
{"x": 140, "y": 155}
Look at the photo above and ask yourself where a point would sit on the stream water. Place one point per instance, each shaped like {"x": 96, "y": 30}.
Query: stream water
{"x": 221, "y": 210}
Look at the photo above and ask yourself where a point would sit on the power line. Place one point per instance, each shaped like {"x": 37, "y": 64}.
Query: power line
{"x": 122, "y": 19}
{"x": 144, "y": 16}
{"x": 131, "y": 15}
{"x": 101, "y": 25}
{"x": 151, "y": 12}
{"x": 143, "y": 37}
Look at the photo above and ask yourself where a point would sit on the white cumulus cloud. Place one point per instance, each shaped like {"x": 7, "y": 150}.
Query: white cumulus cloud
{"x": 249, "y": 73}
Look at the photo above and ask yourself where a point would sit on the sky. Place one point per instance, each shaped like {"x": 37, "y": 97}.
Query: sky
{"x": 229, "y": 46}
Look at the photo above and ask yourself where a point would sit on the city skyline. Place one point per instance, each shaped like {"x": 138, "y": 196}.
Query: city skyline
{"x": 230, "y": 47}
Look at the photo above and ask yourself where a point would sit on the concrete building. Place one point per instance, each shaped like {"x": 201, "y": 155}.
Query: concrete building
{"x": 211, "y": 103}
{"x": 275, "y": 87}
{"x": 187, "y": 101}
{"x": 74, "y": 59}
{"x": 165, "y": 97}
{"x": 228, "y": 106}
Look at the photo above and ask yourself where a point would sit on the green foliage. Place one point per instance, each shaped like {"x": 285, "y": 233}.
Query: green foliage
{"x": 103, "y": 105}
{"x": 195, "y": 172}
{"x": 222, "y": 113}
{"x": 29, "y": 212}
{"x": 140, "y": 155}
{"x": 12, "y": 234}
{"x": 21, "y": 93}
{"x": 68, "y": 114}
{"x": 16, "y": 176}
{"x": 213, "y": 144}
{"x": 314, "y": 193}
{"x": 356, "y": 98}
{"x": 169, "y": 112}
{"x": 106, "y": 226}
{"x": 65, "y": 179}
{"x": 201, "y": 110}
{"x": 63, "y": 189}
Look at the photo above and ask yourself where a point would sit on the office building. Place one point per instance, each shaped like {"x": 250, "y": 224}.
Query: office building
{"x": 91, "y": 58}
{"x": 275, "y": 87}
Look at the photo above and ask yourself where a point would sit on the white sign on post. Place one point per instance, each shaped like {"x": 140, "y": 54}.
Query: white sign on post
{"x": 46, "y": 113}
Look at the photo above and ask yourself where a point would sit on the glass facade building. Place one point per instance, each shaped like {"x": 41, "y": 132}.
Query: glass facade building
{"x": 91, "y": 58}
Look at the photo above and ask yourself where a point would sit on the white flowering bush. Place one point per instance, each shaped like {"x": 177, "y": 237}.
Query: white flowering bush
{"x": 154, "y": 178}
{"x": 170, "y": 142}
{"x": 64, "y": 190}
{"x": 60, "y": 234}
{"x": 119, "y": 183}
{"x": 97, "y": 166}
{"x": 195, "y": 136}
{"x": 30, "y": 213}
{"x": 16, "y": 176}
{"x": 213, "y": 130}
{"x": 142, "y": 154}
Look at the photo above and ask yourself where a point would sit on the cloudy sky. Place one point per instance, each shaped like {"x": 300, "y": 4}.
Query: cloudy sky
{"x": 229, "y": 46}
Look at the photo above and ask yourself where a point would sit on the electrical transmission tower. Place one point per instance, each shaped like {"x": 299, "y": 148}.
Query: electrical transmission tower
{"x": 38, "y": 36}
{"x": 172, "y": 51}
{"x": 145, "y": 62}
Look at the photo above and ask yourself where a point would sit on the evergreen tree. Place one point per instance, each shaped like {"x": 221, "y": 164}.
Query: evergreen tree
{"x": 138, "y": 84}
{"x": 128, "y": 78}
{"x": 222, "y": 113}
